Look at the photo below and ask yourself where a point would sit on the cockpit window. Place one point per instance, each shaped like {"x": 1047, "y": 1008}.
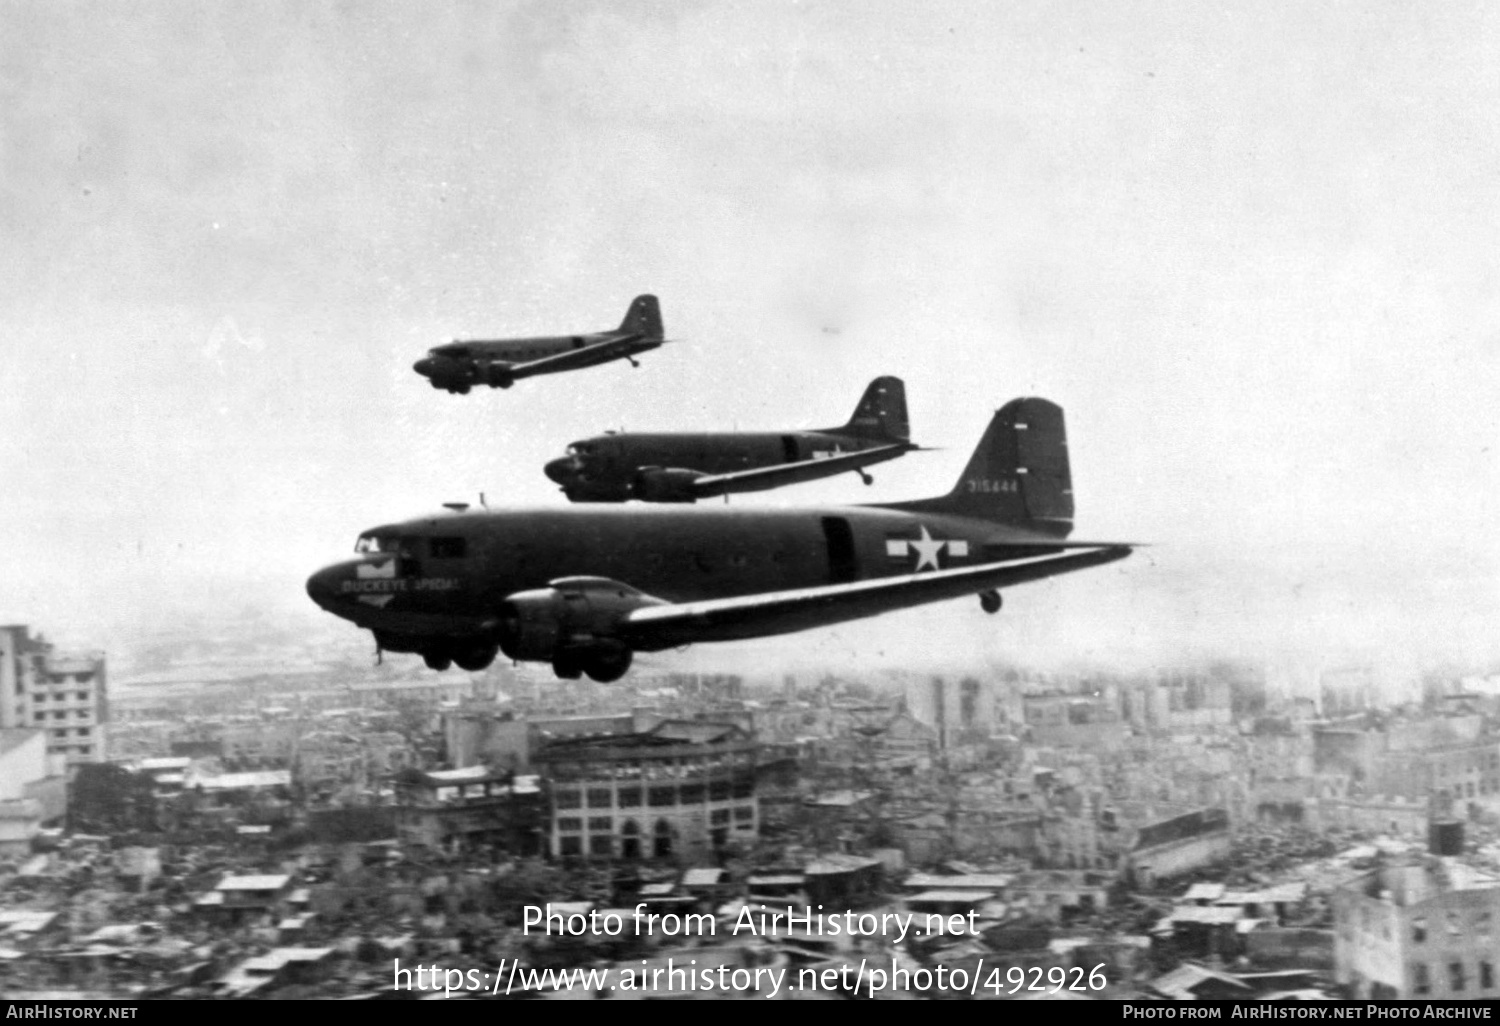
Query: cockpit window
{"x": 394, "y": 544}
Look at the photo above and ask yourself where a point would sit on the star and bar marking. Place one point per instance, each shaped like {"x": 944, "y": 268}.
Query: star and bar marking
{"x": 927, "y": 548}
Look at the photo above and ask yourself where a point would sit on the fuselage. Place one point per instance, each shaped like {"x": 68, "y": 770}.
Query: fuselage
{"x": 603, "y": 468}
{"x": 464, "y": 364}
{"x": 442, "y": 578}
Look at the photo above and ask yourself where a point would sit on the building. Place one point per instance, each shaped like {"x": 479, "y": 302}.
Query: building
{"x": 63, "y": 694}
{"x": 1418, "y": 931}
{"x": 30, "y": 795}
{"x": 679, "y": 791}
{"x": 464, "y": 809}
{"x": 1178, "y": 844}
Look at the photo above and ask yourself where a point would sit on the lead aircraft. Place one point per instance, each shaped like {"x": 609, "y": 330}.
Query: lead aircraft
{"x": 586, "y": 587}
{"x": 500, "y": 363}
{"x": 617, "y": 466}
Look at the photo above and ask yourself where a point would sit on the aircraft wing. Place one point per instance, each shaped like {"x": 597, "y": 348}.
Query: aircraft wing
{"x": 763, "y": 478}
{"x": 614, "y": 346}
{"x": 656, "y": 627}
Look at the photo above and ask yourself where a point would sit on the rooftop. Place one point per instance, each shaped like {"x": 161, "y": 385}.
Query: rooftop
{"x": 254, "y": 883}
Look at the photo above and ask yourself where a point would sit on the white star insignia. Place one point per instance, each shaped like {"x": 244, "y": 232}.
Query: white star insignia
{"x": 927, "y": 548}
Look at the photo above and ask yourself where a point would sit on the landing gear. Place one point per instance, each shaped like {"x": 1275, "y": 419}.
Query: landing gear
{"x": 604, "y": 662}
{"x": 989, "y": 601}
{"x": 607, "y": 665}
{"x": 866, "y": 478}
{"x": 477, "y": 658}
{"x": 437, "y": 660}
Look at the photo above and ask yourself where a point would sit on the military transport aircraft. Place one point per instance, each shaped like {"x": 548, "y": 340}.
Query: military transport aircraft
{"x": 586, "y": 587}
{"x": 499, "y": 363}
{"x": 686, "y": 467}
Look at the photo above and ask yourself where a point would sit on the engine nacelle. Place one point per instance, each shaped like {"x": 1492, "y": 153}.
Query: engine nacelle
{"x": 665, "y": 484}
{"x": 498, "y": 375}
{"x": 574, "y": 617}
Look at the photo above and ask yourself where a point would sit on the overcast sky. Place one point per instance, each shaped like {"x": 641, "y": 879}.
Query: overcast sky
{"x": 1253, "y": 249}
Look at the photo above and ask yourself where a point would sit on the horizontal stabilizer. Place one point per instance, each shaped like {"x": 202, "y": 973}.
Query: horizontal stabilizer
{"x": 782, "y": 612}
{"x": 764, "y": 478}
{"x": 611, "y": 347}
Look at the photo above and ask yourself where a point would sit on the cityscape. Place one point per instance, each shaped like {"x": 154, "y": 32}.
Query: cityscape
{"x": 211, "y": 823}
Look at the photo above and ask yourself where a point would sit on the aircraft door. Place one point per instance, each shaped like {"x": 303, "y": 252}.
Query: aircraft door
{"x": 842, "y": 565}
{"x": 789, "y": 448}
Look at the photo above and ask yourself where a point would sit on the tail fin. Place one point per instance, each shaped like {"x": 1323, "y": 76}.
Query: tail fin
{"x": 643, "y": 318}
{"x": 881, "y": 413}
{"x": 1018, "y": 474}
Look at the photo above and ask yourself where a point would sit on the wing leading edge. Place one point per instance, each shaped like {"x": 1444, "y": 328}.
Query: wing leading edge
{"x": 654, "y": 628}
{"x": 764, "y": 478}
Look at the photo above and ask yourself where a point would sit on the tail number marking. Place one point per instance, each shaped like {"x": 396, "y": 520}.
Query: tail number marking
{"x": 989, "y": 486}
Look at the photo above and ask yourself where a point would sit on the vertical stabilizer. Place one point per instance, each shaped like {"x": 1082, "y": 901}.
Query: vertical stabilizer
{"x": 881, "y": 413}
{"x": 643, "y": 318}
{"x": 1018, "y": 474}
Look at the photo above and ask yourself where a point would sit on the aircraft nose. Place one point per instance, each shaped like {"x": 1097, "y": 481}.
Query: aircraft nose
{"x": 323, "y": 586}
{"x": 423, "y": 366}
{"x": 560, "y": 470}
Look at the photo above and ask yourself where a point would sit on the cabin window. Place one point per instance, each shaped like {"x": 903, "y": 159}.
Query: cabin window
{"x": 447, "y": 548}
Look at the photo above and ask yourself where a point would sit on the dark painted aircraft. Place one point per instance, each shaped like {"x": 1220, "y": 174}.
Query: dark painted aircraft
{"x": 500, "y": 363}
{"x": 687, "y": 467}
{"x": 586, "y": 587}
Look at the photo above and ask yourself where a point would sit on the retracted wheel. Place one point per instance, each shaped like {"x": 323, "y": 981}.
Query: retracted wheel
{"x": 477, "y": 658}
{"x": 608, "y": 665}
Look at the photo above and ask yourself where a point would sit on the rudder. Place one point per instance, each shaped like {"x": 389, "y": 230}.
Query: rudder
{"x": 881, "y": 413}
{"x": 643, "y": 317}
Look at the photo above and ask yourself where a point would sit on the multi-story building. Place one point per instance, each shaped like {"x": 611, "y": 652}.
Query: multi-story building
{"x": 1410, "y": 760}
{"x": 29, "y": 794}
{"x": 678, "y": 791}
{"x": 1419, "y": 931}
{"x": 60, "y": 693}
{"x": 465, "y": 809}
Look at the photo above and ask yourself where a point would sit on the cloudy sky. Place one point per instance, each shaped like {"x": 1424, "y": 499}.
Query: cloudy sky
{"x": 1252, "y": 248}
